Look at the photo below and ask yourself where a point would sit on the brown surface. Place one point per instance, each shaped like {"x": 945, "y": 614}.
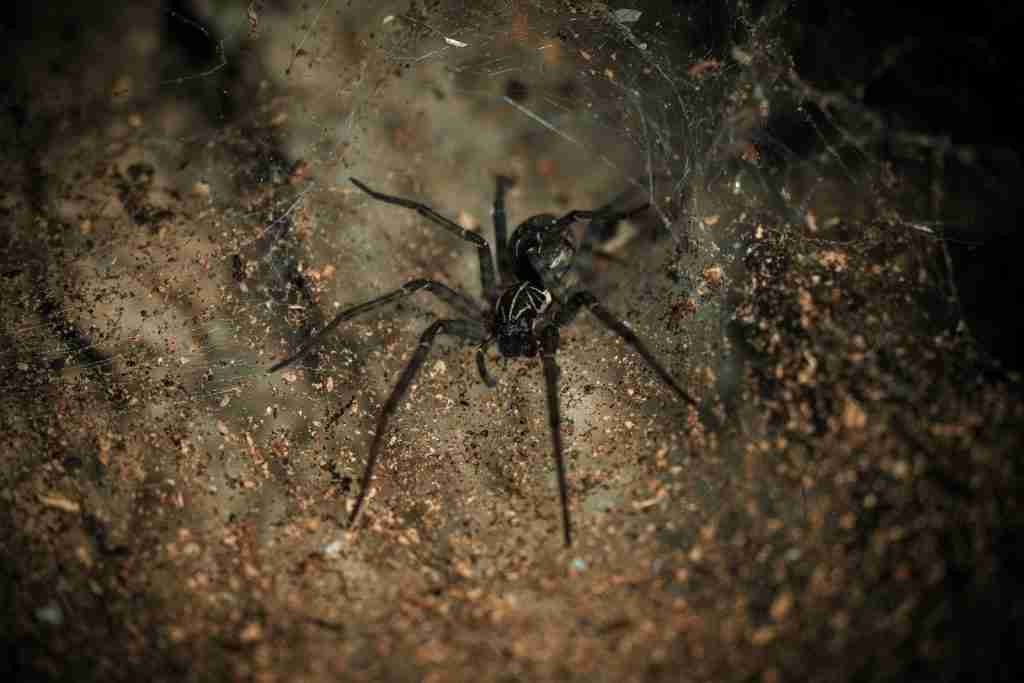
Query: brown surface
{"x": 845, "y": 506}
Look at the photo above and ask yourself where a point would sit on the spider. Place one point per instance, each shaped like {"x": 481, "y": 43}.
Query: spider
{"x": 522, "y": 313}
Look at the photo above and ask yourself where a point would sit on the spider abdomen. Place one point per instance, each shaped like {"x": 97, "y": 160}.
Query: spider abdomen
{"x": 541, "y": 255}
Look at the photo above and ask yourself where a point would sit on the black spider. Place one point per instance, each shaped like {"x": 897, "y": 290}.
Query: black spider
{"x": 519, "y": 314}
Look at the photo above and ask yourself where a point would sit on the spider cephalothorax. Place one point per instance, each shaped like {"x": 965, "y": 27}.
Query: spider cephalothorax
{"x": 515, "y": 319}
{"x": 522, "y": 314}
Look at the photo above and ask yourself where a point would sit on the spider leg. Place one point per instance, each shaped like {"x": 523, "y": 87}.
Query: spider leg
{"x": 601, "y": 229}
{"x": 464, "y": 329}
{"x": 457, "y": 299}
{"x": 481, "y": 363}
{"x": 487, "y": 277}
{"x": 602, "y": 215}
{"x": 505, "y": 268}
{"x": 549, "y": 345}
{"x": 559, "y": 224}
{"x": 584, "y": 299}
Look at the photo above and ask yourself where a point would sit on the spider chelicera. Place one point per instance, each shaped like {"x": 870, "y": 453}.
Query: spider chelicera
{"x": 522, "y": 313}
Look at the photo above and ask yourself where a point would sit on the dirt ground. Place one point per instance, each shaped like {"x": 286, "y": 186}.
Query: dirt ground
{"x": 845, "y": 503}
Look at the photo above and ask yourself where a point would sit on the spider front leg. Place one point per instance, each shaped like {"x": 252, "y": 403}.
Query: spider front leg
{"x": 584, "y": 299}
{"x": 602, "y": 229}
{"x": 487, "y": 277}
{"x": 549, "y": 346}
{"x": 467, "y": 330}
{"x": 506, "y": 269}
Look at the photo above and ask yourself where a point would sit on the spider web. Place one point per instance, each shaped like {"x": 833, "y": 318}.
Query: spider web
{"x": 180, "y": 218}
{"x": 582, "y": 104}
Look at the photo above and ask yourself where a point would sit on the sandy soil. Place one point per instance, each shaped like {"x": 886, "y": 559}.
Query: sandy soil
{"x": 843, "y": 506}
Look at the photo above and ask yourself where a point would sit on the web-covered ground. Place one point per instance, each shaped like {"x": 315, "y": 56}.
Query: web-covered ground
{"x": 178, "y": 217}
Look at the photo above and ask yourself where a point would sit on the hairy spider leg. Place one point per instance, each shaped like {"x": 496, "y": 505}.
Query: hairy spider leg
{"x": 456, "y": 299}
{"x": 487, "y": 277}
{"x": 468, "y": 330}
{"x": 506, "y": 270}
{"x": 601, "y": 229}
{"x": 584, "y": 299}
{"x": 549, "y": 346}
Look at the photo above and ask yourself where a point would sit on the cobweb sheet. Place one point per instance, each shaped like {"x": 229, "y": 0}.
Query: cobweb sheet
{"x": 178, "y": 217}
